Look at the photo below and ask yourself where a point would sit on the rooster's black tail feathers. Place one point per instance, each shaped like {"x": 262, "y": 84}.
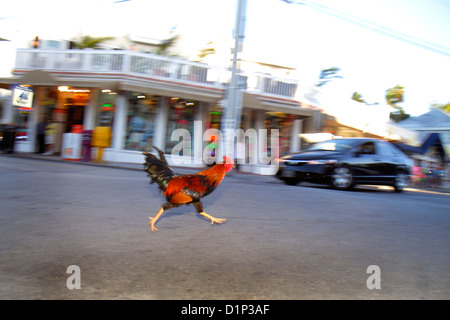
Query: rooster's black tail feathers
{"x": 157, "y": 169}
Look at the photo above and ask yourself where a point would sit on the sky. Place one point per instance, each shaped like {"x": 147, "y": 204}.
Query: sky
{"x": 290, "y": 34}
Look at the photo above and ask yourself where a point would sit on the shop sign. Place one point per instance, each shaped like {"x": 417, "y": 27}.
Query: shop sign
{"x": 23, "y": 97}
{"x": 71, "y": 146}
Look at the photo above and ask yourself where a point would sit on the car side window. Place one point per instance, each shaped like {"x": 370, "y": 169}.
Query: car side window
{"x": 367, "y": 148}
{"x": 395, "y": 151}
{"x": 385, "y": 149}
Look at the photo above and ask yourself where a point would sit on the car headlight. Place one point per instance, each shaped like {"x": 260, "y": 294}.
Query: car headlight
{"x": 325, "y": 161}
{"x": 282, "y": 160}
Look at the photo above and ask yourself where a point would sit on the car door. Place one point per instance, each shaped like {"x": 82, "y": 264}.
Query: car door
{"x": 388, "y": 159}
{"x": 366, "y": 163}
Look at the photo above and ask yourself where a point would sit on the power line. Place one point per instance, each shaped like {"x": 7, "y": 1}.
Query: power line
{"x": 437, "y": 48}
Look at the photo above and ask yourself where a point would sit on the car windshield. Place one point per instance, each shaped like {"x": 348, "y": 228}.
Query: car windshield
{"x": 331, "y": 145}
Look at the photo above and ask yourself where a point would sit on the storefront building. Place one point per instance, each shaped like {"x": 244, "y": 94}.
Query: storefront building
{"x": 143, "y": 98}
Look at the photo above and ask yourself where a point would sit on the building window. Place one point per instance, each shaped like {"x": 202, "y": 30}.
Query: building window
{"x": 181, "y": 116}
{"x": 283, "y": 122}
{"x": 106, "y": 106}
{"x": 141, "y": 118}
{"x": 214, "y": 117}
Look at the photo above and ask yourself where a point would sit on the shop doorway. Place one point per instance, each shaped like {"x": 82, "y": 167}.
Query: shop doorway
{"x": 69, "y": 112}
{"x": 75, "y": 116}
{"x": 73, "y": 103}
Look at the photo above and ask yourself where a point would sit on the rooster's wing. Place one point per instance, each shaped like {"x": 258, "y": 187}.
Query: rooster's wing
{"x": 189, "y": 188}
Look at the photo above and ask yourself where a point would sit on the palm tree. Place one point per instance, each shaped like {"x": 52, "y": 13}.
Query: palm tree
{"x": 327, "y": 74}
{"x": 358, "y": 97}
{"x": 89, "y": 42}
{"x": 205, "y": 51}
{"x": 393, "y": 97}
{"x": 441, "y": 106}
{"x": 165, "y": 45}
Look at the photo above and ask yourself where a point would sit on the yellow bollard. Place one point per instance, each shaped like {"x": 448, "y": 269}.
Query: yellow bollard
{"x": 101, "y": 138}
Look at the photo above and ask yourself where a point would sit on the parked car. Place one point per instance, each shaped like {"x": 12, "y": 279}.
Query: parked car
{"x": 343, "y": 163}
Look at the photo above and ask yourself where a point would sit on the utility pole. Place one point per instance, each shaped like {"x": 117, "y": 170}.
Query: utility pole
{"x": 233, "y": 104}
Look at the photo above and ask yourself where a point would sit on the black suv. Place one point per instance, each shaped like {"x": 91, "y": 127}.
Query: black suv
{"x": 346, "y": 162}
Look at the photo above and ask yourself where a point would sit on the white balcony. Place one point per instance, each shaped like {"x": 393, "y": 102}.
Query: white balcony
{"x": 120, "y": 63}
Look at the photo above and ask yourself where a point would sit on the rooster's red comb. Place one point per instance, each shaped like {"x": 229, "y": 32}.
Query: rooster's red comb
{"x": 227, "y": 160}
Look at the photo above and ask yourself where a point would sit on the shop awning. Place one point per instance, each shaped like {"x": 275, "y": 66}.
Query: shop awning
{"x": 38, "y": 78}
{"x": 255, "y": 101}
{"x": 6, "y": 82}
{"x": 33, "y": 78}
{"x": 431, "y": 140}
{"x": 173, "y": 90}
{"x": 111, "y": 85}
{"x": 46, "y": 79}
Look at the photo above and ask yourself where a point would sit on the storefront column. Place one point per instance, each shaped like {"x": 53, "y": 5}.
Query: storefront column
{"x": 295, "y": 138}
{"x": 8, "y": 110}
{"x": 90, "y": 112}
{"x": 34, "y": 118}
{"x": 259, "y": 125}
{"x": 161, "y": 123}
{"x": 199, "y": 129}
{"x": 317, "y": 121}
{"x": 60, "y": 117}
{"x": 120, "y": 119}
{"x": 247, "y": 119}
{"x": 246, "y": 147}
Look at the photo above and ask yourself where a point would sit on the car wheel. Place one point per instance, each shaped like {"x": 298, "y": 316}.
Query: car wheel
{"x": 342, "y": 178}
{"x": 401, "y": 182}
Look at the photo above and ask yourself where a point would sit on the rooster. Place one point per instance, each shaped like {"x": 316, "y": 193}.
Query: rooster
{"x": 184, "y": 189}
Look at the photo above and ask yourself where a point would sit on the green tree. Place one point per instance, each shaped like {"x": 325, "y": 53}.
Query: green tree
{"x": 89, "y": 42}
{"x": 326, "y": 75}
{"x": 205, "y": 51}
{"x": 358, "y": 97}
{"x": 445, "y": 106}
{"x": 398, "y": 116}
{"x": 165, "y": 45}
{"x": 393, "y": 97}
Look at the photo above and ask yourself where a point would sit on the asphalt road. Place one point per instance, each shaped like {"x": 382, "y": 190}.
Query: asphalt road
{"x": 279, "y": 242}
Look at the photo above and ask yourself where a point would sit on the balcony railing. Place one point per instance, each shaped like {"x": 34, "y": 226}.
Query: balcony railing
{"x": 150, "y": 66}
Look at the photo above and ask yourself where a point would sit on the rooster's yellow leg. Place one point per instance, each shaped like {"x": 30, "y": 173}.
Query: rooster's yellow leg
{"x": 154, "y": 219}
{"x": 213, "y": 220}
